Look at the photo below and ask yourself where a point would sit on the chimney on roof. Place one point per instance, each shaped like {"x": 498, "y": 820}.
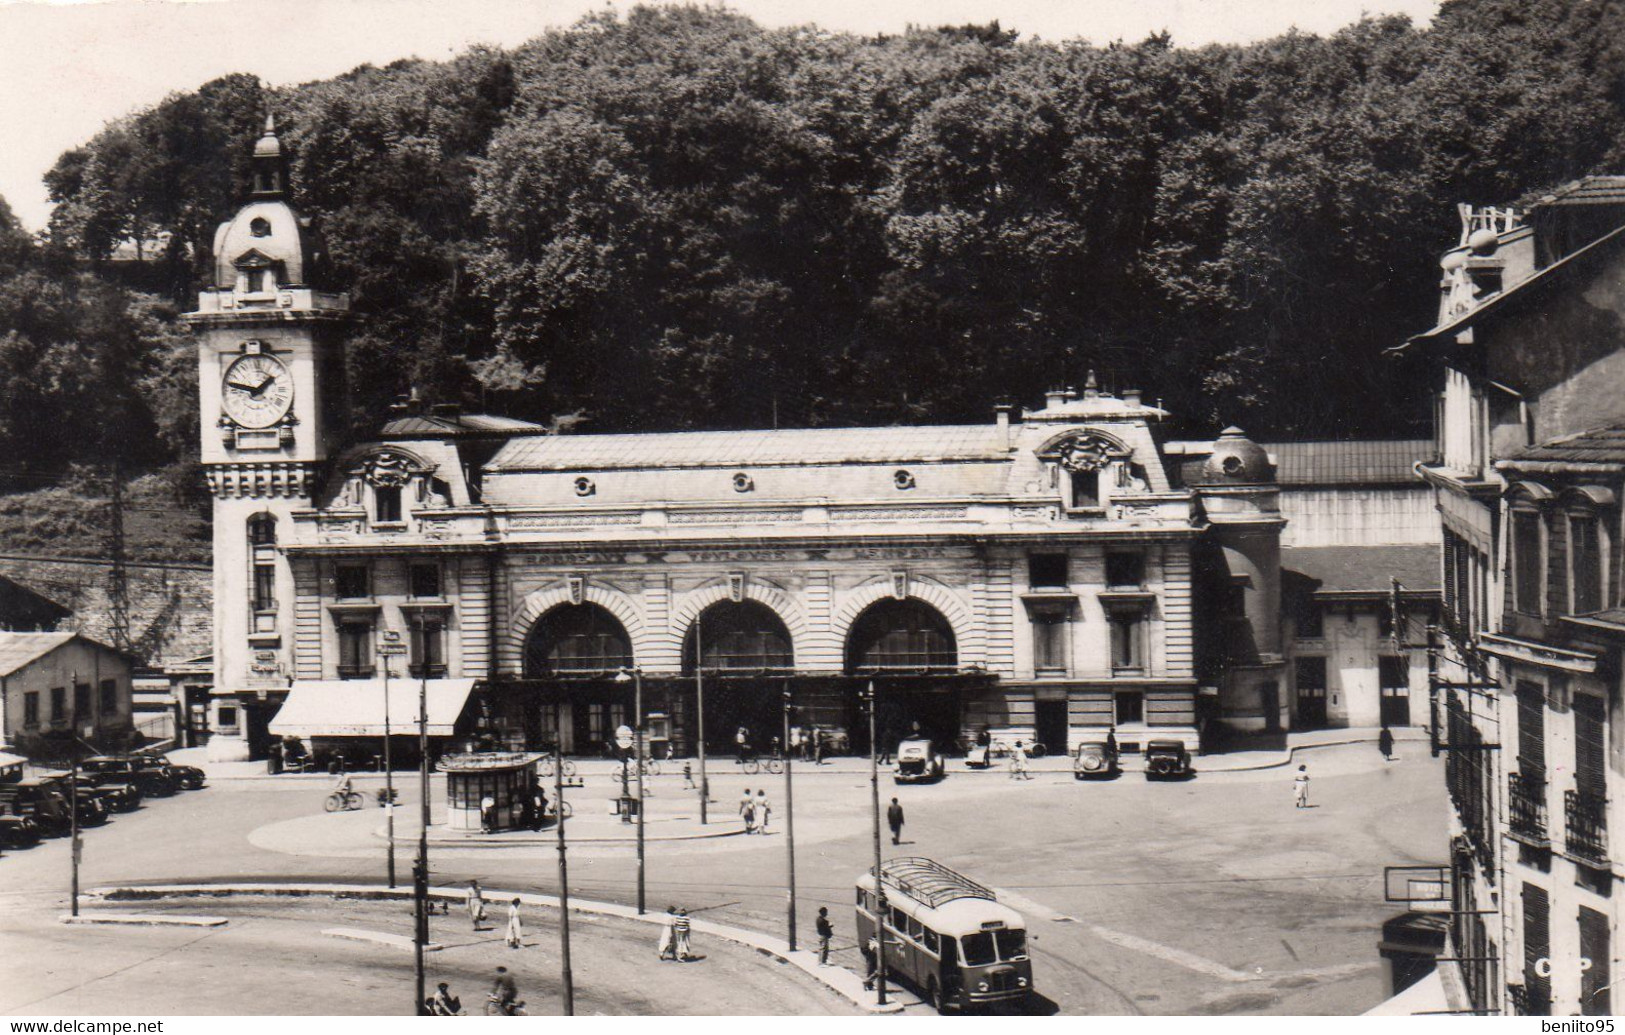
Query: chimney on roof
{"x": 1001, "y": 420}
{"x": 1131, "y": 396}
{"x": 1091, "y": 387}
{"x": 450, "y": 411}
{"x": 1056, "y": 398}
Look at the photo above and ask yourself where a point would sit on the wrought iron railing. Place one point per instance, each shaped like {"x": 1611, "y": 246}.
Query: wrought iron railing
{"x": 1526, "y": 805}
{"x": 355, "y": 671}
{"x": 1586, "y": 825}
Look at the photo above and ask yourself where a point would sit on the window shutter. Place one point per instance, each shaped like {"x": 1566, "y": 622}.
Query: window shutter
{"x": 1531, "y": 730}
{"x": 1537, "y": 945}
{"x": 1595, "y": 1000}
{"x": 1589, "y": 776}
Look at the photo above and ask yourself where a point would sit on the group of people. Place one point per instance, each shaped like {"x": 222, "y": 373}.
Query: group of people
{"x": 675, "y": 934}
{"x": 809, "y": 743}
{"x": 755, "y": 810}
{"x": 515, "y": 934}
{"x": 532, "y": 811}
{"x": 870, "y": 949}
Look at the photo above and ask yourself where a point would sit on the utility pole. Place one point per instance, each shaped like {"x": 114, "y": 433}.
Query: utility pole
{"x": 76, "y": 845}
{"x": 118, "y": 576}
{"x": 391, "y": 647}
{"x": 699, "y": 694}
{"x": 564, "y": 869}
{"x": 880, "y": 885}
{"x": 637, "y": 738}
{"x": 420, "y": 878}
{"x": 790, "y": 814}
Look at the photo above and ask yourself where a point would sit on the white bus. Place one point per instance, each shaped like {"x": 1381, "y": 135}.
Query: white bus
{"x": 946, "y": 935}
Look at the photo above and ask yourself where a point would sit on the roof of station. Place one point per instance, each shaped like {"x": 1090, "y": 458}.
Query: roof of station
{"x": 20, "y": 648}
{"x": 1605, "y": 445}
{"x": 1365, "y": 570}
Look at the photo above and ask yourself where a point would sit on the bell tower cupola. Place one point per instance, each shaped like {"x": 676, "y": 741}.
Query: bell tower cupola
{"x": 269, "y": 166}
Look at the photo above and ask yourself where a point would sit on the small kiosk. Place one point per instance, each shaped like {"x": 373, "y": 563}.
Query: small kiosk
{"x": 507, "y": 778}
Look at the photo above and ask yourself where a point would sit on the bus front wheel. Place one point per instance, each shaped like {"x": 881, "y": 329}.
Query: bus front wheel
{"x": 933, "y": 992}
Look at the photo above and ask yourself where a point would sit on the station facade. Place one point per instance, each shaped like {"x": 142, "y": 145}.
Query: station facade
{"x": 1044, "y": 576}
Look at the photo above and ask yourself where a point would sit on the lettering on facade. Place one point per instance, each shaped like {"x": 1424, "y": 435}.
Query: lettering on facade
{"x": 898, "y": 553}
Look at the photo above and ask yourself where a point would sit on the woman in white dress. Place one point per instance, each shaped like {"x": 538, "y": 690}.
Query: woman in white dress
{"x": 516, "y": 931}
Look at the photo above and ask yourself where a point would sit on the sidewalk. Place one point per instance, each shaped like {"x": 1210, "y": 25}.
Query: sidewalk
{"x": 1235, "y": 760}
{"x": 839, "y": 980}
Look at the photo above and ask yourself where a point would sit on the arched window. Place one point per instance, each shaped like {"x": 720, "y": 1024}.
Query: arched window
{"x": 577, "y": 638}
{"x": 744, "y": 635}
{"x": 901, "y": 634}
{"x": 262, "y": 530}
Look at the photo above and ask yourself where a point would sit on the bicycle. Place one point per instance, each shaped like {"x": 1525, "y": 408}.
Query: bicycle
{"x": 343, "y": 801}
{"x": 553, "y": 809}
{"x": 753, "y": 766}
{"x": 546, "y": 768}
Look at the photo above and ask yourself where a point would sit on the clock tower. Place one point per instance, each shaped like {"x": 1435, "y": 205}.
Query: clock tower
{"x": 269, "y": 376}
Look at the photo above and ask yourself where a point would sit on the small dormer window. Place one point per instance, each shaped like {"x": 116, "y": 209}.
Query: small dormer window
{"x": 386, "y": 503}
{"x": 259, "y": 226}
{"x": 254, "y": 281}
{"x": 1085, "y": 487}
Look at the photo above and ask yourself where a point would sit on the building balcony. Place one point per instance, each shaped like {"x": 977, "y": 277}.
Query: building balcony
{"x": 427, "y": 671}
{"x": 355, "y": 671}
{"x": 1526, "y": 807}
{"x": 1586, "y": 826}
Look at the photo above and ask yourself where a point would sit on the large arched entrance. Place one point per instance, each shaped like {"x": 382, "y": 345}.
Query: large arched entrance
{"x": 579, "y": 648}
{"x": 744, "y": 650}
{"x": 908, "y": 649}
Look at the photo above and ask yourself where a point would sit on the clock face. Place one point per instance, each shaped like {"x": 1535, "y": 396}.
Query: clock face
{"x": 257, "y": 391}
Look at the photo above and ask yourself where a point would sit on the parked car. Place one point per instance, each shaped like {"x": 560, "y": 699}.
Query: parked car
{"x": 119, "y": 797}
{"x": 41, "y": 803}
{"x": 191, "y": 778}
{"x": 1167, "y": 760}
{"x": 1095, "y": 760}
{"x": 18, "y": 832}
{"x": 918, "y": 761}
{"x": 155, "y": 781}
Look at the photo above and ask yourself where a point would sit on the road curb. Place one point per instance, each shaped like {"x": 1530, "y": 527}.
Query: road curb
{"x": 839, "y": 980}
{"x": 143, "y": 920}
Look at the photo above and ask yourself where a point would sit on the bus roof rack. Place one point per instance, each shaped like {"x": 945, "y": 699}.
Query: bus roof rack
{"x": 931, "y": 882}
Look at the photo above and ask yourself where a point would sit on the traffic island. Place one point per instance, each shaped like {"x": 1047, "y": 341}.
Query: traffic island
{"x": 143, "y": 919}
{"x": 842, "y": 982}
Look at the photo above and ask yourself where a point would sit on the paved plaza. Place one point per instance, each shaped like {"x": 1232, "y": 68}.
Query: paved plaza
{"x": 1208, "y": 896}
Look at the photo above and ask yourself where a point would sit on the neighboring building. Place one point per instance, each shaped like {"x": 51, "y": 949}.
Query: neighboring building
{"x": 60, "y": 691}
{"x": 1527, "y": 351}
{"x": 23, "y": 610}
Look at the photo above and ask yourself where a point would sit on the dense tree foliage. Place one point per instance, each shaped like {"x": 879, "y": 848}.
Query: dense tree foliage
{"x": 678, "y": 218}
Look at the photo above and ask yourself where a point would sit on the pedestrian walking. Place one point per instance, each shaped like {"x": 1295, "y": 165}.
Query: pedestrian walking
{"x": 476, "y": 905}
{"x": 871, "y": 962}
{"x": 539, "y": 809}
{"x": 1018, "y": 763}
{"x": 1111, "y": 743}
{"x": 499, "y": 1002}
{"x": 741, "y": 744}
{"x": 818, "y": 747}
{"x": 894, "y": 819}
{"x": 488, "y": 814}
{"x": 1300, "y": 788}
{"x": 516, "y": 930}
{"x": 763, "y": 810}
{"x": 688, "y": 776}
{"x": 668, "y": 934}
{"x": 1385, "y": 744}
{"x": 747, "y": 811}
{"x": 826, "y": 931}
{"x": 680, "y": 926}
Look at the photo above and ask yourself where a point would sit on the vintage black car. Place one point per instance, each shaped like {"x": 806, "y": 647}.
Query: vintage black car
{"x": 1167, "y": 760}
{"x": 155, "y": 781}
{"x": 118, "y": 797}
{"x": 918, "y": 761}
{"x": 190, "y": 777}
{"x": 18, "y": 832}
{"x": 41, "y": 803}
{"x": 1095, "y": 760}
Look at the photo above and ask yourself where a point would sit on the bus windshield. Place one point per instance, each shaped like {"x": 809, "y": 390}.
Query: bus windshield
{"x": 978, "y": 949}
{"x": 1012, "y": 945}
{"x": 990, "y": 947}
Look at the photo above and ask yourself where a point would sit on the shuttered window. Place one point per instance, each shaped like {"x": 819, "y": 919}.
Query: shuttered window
{"x": 1537, "y": 946}
{"x": 1595, "y": 1000}
{"x": 1589, "y": 777}
{"x": 1531, "y": 729}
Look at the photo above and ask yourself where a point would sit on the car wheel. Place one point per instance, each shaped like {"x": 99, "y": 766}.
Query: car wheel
{"x": 933, "y": 992}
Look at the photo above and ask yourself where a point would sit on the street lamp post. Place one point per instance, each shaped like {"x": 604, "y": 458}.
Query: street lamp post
{"x": 699, "y": 694}
{"x": 564, "y": 869}
{"x": 880, "y": 885}
{"x": 75, "y": 844}
{"x": 391, "y": 647}
{"x": 420, "y": 878}
{"x": 790, "y": 814}
{"x": 637, "y": 752}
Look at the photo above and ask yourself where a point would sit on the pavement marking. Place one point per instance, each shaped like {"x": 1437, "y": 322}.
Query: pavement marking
{"x": 1179, "y": 957}
{"x": 394, "y": 941}
{"x": 143, "y": 919}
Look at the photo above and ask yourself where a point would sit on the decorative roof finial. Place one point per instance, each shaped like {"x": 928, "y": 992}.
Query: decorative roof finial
{"x": 1091, "y": 387}
{"x": 270, "y": 177}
